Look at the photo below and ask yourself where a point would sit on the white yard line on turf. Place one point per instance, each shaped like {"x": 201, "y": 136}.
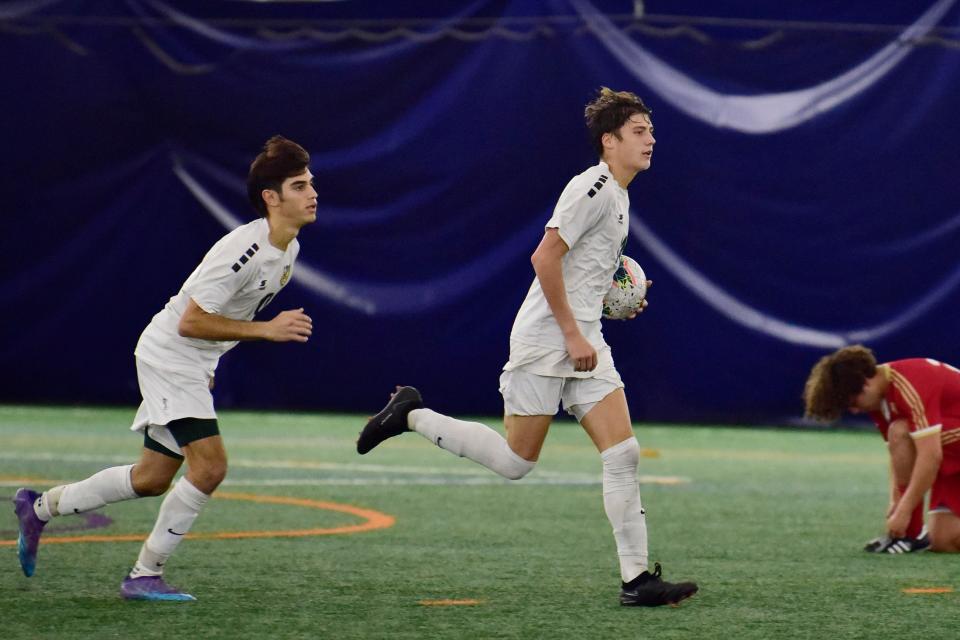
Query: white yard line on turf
{"x": 378, "y": 474}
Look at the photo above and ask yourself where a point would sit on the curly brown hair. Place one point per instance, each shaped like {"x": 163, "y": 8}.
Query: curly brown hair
{"x": 835, "y": 379}
{"x": 609, "y": 111}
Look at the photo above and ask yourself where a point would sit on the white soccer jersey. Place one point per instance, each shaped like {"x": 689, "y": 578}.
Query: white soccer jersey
{"x": 237, "y": 278}
{"x": 592, "y": 217}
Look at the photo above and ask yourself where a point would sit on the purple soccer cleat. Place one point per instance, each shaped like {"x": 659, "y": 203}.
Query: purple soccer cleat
{"x": 151, "y": 588}
{"x": 30, "y": 529}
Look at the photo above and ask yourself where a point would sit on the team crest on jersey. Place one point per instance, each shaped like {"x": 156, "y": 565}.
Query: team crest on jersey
{"x": 285, "y": 276}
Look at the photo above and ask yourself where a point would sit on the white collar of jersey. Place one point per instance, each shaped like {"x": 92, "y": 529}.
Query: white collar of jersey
{"x": 606, "y": 169}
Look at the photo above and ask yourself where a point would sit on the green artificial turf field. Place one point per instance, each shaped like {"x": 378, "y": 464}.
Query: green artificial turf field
{"x": 310, "y": 540}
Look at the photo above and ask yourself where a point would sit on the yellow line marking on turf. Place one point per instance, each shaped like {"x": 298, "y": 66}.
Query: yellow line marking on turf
{"x": 450, "y": 603}
{"x": 21, "y": 480}
{"x": 928, "y": 590}
{"x": 649, "y": 453}
{"x": 373, "y": 520}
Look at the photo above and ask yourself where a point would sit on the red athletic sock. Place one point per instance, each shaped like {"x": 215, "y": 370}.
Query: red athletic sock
{"x": 916, "y": 518}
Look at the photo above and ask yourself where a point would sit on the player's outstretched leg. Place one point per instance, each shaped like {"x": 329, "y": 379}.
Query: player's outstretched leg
{"x": 650, "y": 590}
{"x": 30, "y": 529}
{"x": 392, "y": 421}
{"x": 151, "y": 588}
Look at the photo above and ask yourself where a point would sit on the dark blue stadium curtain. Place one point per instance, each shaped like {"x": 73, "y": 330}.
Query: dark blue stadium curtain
{"x": 803, "y": 194}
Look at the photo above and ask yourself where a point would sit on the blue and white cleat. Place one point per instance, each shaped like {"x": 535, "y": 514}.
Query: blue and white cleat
{"x": 30, "y": 529}
{"x": 151, "y": 588}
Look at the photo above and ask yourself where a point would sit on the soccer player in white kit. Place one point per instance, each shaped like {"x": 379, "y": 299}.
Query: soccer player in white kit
{"x": 176, "y": 357}
{"x": 557, "y": 349}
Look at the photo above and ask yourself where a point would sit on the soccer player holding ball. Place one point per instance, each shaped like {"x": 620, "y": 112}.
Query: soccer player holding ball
{"x": 558, "y": 353}
{"x": 176, "y": 358}
{"x": 915, "y": 404}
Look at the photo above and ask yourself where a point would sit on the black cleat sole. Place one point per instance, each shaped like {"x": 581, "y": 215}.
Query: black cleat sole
{"x": 672, "y": 600}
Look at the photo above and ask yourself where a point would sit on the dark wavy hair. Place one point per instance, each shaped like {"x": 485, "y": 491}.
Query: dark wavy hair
{"x": 609, "y": 111}
{"x": 280, "y": 159}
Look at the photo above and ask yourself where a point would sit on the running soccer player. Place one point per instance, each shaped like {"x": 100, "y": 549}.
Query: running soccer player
{"x": 557, "y": 349}
{"x": 915, "y": 404}
{"x": 176, "y": 357}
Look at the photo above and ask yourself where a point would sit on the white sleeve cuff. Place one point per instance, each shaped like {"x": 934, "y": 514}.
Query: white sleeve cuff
{"x": 929, "y": 431}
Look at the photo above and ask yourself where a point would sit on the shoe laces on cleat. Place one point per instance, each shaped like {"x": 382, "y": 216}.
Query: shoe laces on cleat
{"x": 646, "y": 577}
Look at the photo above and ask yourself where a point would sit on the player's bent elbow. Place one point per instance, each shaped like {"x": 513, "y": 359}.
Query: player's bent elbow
{"x": 186, "y": 328}
{"x": 540, "y": 263}
{"x": 536, "y": 260}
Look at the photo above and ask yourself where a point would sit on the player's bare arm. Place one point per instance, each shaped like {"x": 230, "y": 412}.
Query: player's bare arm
{"x": 288, "y": 326}
{"x": 929, "y": 457}
{"x": 894, "y": 492}
{"x": 547, "y": 264}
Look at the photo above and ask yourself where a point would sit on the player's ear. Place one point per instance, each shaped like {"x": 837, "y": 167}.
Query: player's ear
{"x": 271, "y": 197}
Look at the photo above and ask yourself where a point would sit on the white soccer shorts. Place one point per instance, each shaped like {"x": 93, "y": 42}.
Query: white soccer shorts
{"x": 529, "y": 394}
{"x": 169, "y": 396}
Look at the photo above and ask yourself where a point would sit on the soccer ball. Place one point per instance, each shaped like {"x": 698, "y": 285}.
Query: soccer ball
{"x": 627, "y": 291}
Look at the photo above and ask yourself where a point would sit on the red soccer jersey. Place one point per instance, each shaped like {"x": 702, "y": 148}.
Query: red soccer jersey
{"x": 925, "y": 393}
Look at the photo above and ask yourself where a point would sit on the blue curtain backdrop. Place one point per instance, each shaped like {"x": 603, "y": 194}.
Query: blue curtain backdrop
{"x": 804, "y": 193}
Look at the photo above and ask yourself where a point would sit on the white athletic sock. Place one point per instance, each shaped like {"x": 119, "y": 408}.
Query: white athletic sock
{"x": 621, "y": 501}
{"x": 472, "y": 440}
{"x": 45, "y": 504}
{"x": 177, "y": 513}
{"x": 102, "y": 488}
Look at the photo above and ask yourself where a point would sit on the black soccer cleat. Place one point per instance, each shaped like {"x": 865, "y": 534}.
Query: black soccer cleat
{"x": 649, "y": 590}
{"x": 874, "y": 546}
{"x": 392, "y": 421}
{"x": 895, "y": 546}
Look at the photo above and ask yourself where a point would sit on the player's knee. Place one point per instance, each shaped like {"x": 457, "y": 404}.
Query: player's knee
{"x": 942, "y": 543}
{"x": 148, "y": 482}
{"x": 512, "y": 466}
{"x": 208, "y": 477}
{"x": 625, "y": 455}
{"x": 517, "y": 471}
{"x": 149, "y": 486}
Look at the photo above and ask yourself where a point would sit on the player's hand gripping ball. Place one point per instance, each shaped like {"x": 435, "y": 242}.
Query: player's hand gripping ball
{"x": 627, "y": 291}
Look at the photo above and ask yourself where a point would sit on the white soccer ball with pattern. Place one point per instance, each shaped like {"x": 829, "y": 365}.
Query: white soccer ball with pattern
{"x": 627, "y": 291}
